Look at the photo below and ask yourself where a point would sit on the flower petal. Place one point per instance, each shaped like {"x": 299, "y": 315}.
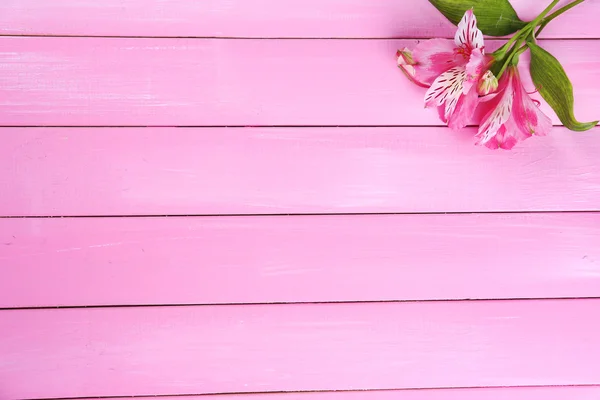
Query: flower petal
{"x": 503, "y": 139}
{"x": 499, "y": 113}
{"x": 529, "y": 119}
{"x": 474, "y": 68}
{"x": 447, "y": 89}
{"x": 434, "y": 57}
{"x": 465, "y": 108}
{"x": 468, "y": 35}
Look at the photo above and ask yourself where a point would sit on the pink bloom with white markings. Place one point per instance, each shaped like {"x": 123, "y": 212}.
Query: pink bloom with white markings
{"x": 452, "y": 71}
{"x": 511, "y": 115}
{"x": 455, "y": 91}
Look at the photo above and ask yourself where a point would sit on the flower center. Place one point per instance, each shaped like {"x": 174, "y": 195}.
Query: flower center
{"x": 464, "y": 51}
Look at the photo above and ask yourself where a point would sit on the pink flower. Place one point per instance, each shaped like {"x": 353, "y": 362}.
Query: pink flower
{"x": 451, "y": 70}
{"x": 455, "y": 92}
{"x": 511, "y": 115}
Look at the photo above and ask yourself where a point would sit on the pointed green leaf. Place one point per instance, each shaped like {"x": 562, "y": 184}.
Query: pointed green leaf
{"x": 494, "y": 17}
{"x": 555, "y": 87}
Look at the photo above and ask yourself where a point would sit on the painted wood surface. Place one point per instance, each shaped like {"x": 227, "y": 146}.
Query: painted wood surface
{"x": 529, "y": 393}
{"x": 260, "y": 18}
{"x": 209, "y": 82}
{"x": 167, "y": 171}
{"x": 263, "y": 348}
{"x": 366, "y": 298}
{"x": 116, "y": 261}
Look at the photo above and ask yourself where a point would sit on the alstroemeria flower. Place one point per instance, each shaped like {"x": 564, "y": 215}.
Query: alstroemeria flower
{"x": 511, "y": 115}
{"x": 452, "y": 70}
{"x": 456, "y": 91}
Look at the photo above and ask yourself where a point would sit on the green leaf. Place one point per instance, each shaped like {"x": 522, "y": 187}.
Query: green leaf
{"x": 494, "y": 17}
{"x": 555, "y": 87}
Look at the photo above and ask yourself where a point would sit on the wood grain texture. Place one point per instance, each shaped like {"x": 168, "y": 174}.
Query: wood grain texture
{"x": 104, "y": 261}
{"x": 263, "y": 348}
{"x": 260, "y": 18}
{"x": 216, "y": 82}
{"x": 168, "y": 171}
{"x": 530, "y": 393}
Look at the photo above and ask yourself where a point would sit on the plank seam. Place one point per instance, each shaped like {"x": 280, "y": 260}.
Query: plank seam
{"x": 465, "y": 300}
{"x": 234, "y": 126}
{"x": 320, "y": 391}
{"x": 517, "y": 212}
{"x": 241, "y": 126}
{"x": 270, "y": 38}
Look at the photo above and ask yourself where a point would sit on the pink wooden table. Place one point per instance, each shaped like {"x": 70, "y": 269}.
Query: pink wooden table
{"x": 245, "y": 200}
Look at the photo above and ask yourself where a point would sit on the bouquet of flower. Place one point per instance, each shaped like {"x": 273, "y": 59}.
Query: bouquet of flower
{"x": 460, "y": 76}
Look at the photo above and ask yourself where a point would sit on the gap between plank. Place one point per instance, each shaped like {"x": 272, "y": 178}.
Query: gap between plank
{"x": 232, "y": 126}
{"x": 264, "y": 37}
{"x": 282, "y": 303}
{"x": 321, "y": 391}
{"x": 241, "y": 126}
{"x": 305, "y": 214}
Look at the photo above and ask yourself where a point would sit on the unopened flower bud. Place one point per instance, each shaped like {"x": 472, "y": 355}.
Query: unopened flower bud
{"x": 406, "y": 62}
{"x": 405, "y": 57}
{"x": 487, "y": 84}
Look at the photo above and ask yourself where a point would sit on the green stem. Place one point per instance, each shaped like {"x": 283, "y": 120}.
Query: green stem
{"x": 521, "y": 37}
{"x": 540, "y": 17}
{"x": 515, "y": 57}
{"x": 557, "y": 13}
{"x": 518, "y": 38}
{"x": 511, "y": 54}
{"x": 501, "y": 52}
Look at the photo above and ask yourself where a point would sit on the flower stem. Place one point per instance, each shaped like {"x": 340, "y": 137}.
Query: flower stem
{"x": 501, "y": 52}
{"x": 557, "y": 13}
{"x": 511, "y": 55}
{"x": 540, "y": 17}
{"x": 520, "y": 37}
{"x": 517, "y": 54}
{"x": 517, "y": 47}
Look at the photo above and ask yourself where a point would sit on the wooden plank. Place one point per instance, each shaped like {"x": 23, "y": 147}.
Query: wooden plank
{"x": 529, "y": 393}
{"x": 168, "y": 171}
{"x": 260, "y": 18}
{"x": 216, "y": 82}
{"x": 104, "y": 261}
{"x": 230, "y": 349}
